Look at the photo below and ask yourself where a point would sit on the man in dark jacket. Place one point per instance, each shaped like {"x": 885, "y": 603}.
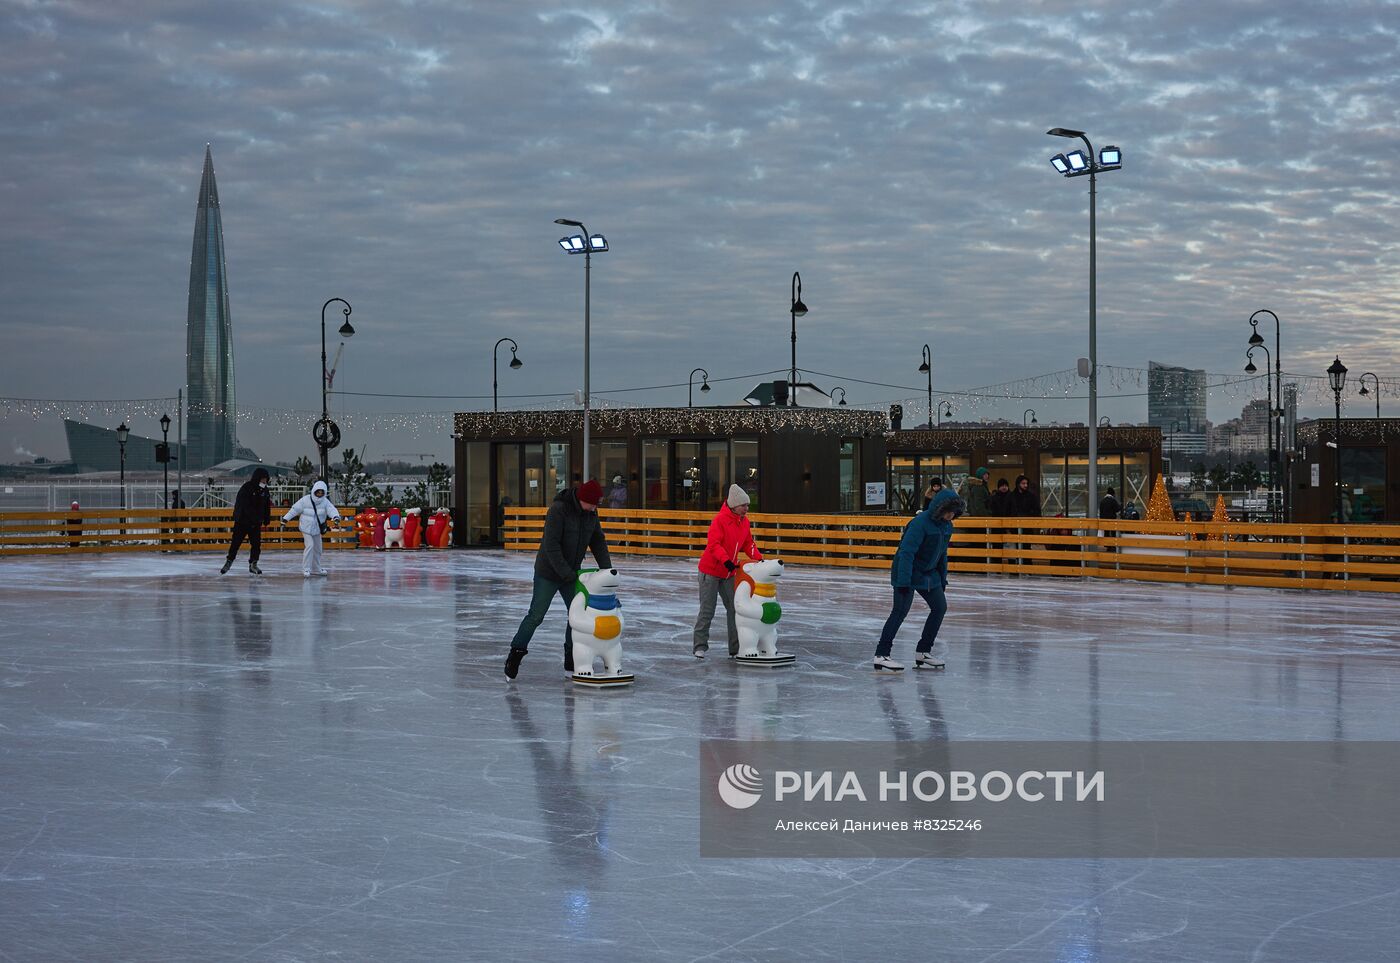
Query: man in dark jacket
{"x": 1025, "y": 500}
{"x": 921, "y": 565}
{"x": 571, "y": 529}
{"x": 1109, "y": 506}
{"x": 999, "y": 504}
{"x": 251, "y": 511}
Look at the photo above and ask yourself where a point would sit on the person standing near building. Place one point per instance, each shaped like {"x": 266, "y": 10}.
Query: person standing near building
{"x": 729, "y": 535}
{"x": 1025, "y": 500}
{"x": 571, "y": 529}
{"x": 252, "y": 509}
{"x": 999, "y": 504}
{"x": 974, "y": 493}
{"x": 617, "y": 494}
{"x": 317, "y": 515}
{"x": 933, "y": 488}
{"x": 1109, "y": 506}
{"x": 921, "y": 565}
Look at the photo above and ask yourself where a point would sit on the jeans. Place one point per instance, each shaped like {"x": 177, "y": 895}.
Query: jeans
{"x": 543, "y": 594}
{"x": 710, "y": 588}
{"x": 903, "y": 599}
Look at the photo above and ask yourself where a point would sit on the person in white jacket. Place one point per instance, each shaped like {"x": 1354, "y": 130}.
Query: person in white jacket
{"x": 317, "y": 513}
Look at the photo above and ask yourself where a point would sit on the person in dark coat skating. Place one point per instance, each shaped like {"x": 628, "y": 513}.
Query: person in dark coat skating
{"x": 571, "y": 529}
{"x": 921, "y": 565}
{"x": 252, "y": 509}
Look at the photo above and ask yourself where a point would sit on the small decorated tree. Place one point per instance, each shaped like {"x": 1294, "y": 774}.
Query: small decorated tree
{"x": 1220, "y": 515}
{"x": 1159, "y": 508}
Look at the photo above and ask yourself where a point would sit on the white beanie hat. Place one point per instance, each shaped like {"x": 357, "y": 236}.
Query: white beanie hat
{"x": 737, "y": 497}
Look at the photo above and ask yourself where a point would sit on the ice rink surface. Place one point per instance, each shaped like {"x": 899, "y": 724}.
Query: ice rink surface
{"x": 204, "y": 768}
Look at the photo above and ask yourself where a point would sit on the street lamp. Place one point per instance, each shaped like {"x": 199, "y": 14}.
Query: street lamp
{"x": 1031, "y": 412}
{"x": 165, "y": 456}
{"x": 122, "y": 432}
{"x": 1251, "y": 369}
{"x": 1276, "y": 430}
{"x": 577, "y": 244}
{"x": 690, "y": 386}
{"x": 927, "y": 368}
{"x": 327, "y": 435}
{"x": 514, "y": 363}
{"x": 1337, "y": 377}
{"x": 1076, "y": 164}
{"x": 945, "y": 410}
{"x": 1372, "y": 376}
{"x": 843, "y": 394}
{"x": 1104, "y": 422}
{"x": 797, "y": 310}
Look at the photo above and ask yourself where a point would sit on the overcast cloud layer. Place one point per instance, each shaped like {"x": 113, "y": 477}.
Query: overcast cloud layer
{"x": 410, "y": 157}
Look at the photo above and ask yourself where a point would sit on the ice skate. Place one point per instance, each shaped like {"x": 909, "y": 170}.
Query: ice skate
{"x": 925, "y": 660}
{"x": 228, "y": 564}
{"x": 513, "y": 660}
{"x": 253, "y": 569}
{"x": 884, "y": 663}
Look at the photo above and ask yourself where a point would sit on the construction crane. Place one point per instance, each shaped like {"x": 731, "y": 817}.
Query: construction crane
{"x": 330, "y": 373}
{"x": 420, "y": 455}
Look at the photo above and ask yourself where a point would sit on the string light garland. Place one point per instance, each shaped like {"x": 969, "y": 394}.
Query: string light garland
{"x": 1069, "y": 437}
{"x": 723, "y": 422}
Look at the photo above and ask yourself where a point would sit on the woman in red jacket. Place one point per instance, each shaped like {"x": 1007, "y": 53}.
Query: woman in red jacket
{"x": 729, "y": 535}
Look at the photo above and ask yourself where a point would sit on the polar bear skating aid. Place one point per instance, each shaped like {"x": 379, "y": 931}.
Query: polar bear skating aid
{"x": 756, "y": 613}
{"x": 595, "y": 616}
{"x": 393, "y": 529}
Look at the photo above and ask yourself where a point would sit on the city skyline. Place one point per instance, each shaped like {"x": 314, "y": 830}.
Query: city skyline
{"x": 413, "y": 161}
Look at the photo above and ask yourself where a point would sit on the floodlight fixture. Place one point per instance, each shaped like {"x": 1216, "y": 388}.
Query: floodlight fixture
{"x": 1060, "y": 164}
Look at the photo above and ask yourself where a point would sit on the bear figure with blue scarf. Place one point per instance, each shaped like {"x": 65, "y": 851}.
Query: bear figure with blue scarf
{"x": 595, "y": 616}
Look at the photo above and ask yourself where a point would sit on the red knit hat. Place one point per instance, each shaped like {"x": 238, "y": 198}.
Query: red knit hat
{"x": 590, "y": 492}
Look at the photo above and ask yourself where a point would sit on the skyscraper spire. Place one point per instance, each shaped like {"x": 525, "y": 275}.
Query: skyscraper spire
{"x": 209, "y": 334}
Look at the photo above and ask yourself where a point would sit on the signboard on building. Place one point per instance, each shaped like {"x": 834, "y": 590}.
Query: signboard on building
{"x": 874, "y": 493}
{"x": 1316, "y": 476}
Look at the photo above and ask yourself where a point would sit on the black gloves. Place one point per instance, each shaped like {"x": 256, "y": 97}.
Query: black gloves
{"x": 730, "y": 565}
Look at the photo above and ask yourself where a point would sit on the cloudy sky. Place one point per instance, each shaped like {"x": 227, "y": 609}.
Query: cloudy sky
{"x": 411, "y": 157}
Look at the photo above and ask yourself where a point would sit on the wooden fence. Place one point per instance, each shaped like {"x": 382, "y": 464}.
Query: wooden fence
{"x": 1347, "y": 557}
{"x": 144, "y": 530}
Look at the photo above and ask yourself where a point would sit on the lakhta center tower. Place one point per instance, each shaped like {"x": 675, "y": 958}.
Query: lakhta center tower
{"x": 209, "y": 335}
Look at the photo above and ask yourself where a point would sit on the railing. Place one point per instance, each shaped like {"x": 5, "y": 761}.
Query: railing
{"x": 1346, "y": 557}
{"x": 144, "y": 530}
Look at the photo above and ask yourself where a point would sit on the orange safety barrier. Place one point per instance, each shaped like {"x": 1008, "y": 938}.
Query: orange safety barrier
{"x": 1335, "y": 557}
{"x": 145, "y": 530}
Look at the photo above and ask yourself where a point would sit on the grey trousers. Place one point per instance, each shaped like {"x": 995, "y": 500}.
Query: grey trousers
{"x": 710, "y": 587}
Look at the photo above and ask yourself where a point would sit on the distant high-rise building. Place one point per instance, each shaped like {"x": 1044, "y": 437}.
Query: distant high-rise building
{"x": 209, "y": 335}
{"x": 1176, "y": 403}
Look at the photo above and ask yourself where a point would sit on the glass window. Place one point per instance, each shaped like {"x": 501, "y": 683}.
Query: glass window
{"x": 557, "y": 468}
{"x": 1363, "y": 484}
{"x": 953, "y": 469}
{"x": 688, "y": 489}
{"x": 1004, "y": 466}
{"x": 1136, "y": 465}
{"x": 746, "y": 468}
{"x": 1077, "y": 486}
{"x": 905, "y": 490}
{"x": 533, "y": 460}
{"x": 1052, "y": 484}
{"x": 507, "y": 480}
{"x": 656, "y": 473}
{"x": 607, "y": 460}
{"x": 850, "y": 494}
{"x": 477, "y": 492}
{"x": 1110, "y": 475}
{"x": 717, "y": 480}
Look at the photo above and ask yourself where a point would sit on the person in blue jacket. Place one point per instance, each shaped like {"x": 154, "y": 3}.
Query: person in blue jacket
{"x": 921, "y": 565}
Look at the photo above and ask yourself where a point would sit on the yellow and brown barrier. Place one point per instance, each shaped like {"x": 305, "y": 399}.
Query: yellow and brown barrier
{"x": 144, "y": 530}
{"x": 1345, "y": 557}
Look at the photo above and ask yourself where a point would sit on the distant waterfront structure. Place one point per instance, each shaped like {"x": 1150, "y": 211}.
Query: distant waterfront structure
{"x": 212, "y": 422}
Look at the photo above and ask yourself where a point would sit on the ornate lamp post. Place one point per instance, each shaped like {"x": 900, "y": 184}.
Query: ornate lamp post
{"x": 122, "y": 432}
{"x": 514, "y": 363}
{"x": 945, "y": 410}
{"x": 1276, "y": 445}
{"x": 927, "y": 368}
{"x": 690, "y": 386}
{"x": 1251, "y": 369}
{"x": 1337, "y": 378}
{"x": 327, "y": 433}
{"x": 1031, "y": 412}
{"x": 797, "y": 310}
{"x": 1372, "y": 376}
{"x": 843, "y": 394}
{"x": 165, "y": 459}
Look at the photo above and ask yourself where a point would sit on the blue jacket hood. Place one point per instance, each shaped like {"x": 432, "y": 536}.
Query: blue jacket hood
{"x": 945, "y": 500}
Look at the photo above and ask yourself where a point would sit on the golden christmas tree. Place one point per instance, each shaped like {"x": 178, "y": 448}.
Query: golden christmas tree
{"x": 1159, "y": 508}
{"x": 1220, "y": 515}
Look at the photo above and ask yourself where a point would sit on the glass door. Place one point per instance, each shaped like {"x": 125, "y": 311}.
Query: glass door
{"x": 688, "y": 483}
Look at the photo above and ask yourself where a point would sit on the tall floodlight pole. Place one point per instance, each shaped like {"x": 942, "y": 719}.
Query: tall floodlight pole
{"x": 585, "y": 245}
{"x": 1076, "y": 164}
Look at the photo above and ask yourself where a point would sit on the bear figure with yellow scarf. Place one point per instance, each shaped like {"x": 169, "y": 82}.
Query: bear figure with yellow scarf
{"x": 595, "y": 616}
{"x": 756, "y": 613}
